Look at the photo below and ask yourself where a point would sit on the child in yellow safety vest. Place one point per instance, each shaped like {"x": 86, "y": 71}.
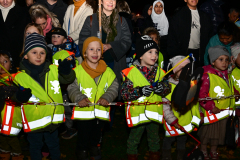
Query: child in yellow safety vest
{"x": 172, "y": 119}
{"x": 95, "y": 87}
{"x": 235, "y": 50}
{"x": 142, "y": 83}
{"x": 10, "y": 116}
{"x": 41, "y": 81}
{"x": 216, "y": 83}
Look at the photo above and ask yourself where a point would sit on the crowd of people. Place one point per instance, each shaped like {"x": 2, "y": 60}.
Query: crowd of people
{"x": 51, "y": 55}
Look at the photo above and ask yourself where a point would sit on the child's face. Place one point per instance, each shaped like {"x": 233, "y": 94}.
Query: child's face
{"x": 154, "y": 38}
{"x": 6, "y": 63}
{"x": 42, "y": 22}
{"x": 31, "y": 30}
{"x": 221, "y": 64}
{"x": 149, "y": 58}
{"x": 233, "y": 16}
{"x": 225, "y": 39}
{"x": 237, "y": 61}
{"x": 58, "y": 39}
{"x": 93, "y": 52}
{"x": 192, "y": 4}
{"x": 158, "y": 8}
{"x": 36, "y": 56}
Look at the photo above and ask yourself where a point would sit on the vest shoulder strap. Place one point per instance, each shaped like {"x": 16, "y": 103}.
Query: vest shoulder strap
{"x": 126, "y": 71}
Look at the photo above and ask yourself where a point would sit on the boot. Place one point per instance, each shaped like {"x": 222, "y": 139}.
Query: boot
{"x": 166, "y": 154}
{"x": 82, "y": 155}
{"x": 5, "y": 156}
{"x": 132, "y": 157}
{"x": 18, "y": 157}
{"x": 154, "y": 155}
{"x": 180, "y": 154}
{"x": 95, "y": 153}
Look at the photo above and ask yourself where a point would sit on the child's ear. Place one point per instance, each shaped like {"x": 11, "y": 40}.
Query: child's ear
{"x": 141, "y": 57}
{"x": 232, "y": 59}
{"x": 25, "y": 57}
{"x": 65, "y": 40}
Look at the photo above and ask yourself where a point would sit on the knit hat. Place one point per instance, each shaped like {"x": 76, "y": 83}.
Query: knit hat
{"x": 89, "y": 40}
{"x": 175, "y": 60}
{"x": 217, "y": 51}
{"x": 34, "y": 40}
{"x": 235, "y": 49}
{"x": 144, "y": 44}
{"x": 58, "y": 31}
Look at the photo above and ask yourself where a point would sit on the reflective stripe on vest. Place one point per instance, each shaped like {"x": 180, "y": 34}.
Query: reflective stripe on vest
{"x": 36, "y": 117}
{"x": 93, "y": 91}
{"x": 11, "y": 120}
{"x": 211, "y": 118}
{"x": 135, "y": 114}
{"x": 236, "y": 81}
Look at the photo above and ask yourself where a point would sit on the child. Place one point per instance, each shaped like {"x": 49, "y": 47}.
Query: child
{"x": 60, "y": 41}
{"x": 153, "y": 33}
{"x": 43, "y": 79}
{"x": 215, "y": 83}
{"x": 95, "y": 83}
{"x": 173, "y": 119}
{"x": 226, "y": 36}
{"x": 136, "y": 87}
{"x": 10, "y": 124}
{"x": 235, "y": 50}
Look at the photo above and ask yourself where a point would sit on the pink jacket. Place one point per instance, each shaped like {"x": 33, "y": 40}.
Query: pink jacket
{"x": 204, "y": 90}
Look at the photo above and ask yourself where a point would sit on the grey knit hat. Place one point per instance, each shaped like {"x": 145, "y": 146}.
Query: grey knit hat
{"x": 34, "y": 40}
{"x": 217, "y": 51}
{"x": 235, "y": 50}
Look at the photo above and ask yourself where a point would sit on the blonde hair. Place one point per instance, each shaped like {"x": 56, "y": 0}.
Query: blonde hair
{"x": 122, "y": 6}
{"x": 39, "y": 11}
{"x": 39, "y": 28}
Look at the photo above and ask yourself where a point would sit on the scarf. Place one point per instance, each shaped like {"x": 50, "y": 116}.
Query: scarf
{"x": 160, "y": 20}
{"x": 48, "y": 27}
{"x": 94, "y": 72}
{"x": 6, "y": 10}
{"x": 109, "y": 24}
{"x": 77, "y": 5}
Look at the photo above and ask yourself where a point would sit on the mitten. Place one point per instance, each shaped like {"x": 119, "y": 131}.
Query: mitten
{"x": 64, "y": 66}
{"x": 23, "y": 95}
{"x": 146, "y": 91}
{"x": 162, "y": 88}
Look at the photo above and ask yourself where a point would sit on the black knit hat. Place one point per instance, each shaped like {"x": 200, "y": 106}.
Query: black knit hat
{"x": 144, "y": 44}
{"x": 58, "y": 31}
{"x": 34, "y": 40}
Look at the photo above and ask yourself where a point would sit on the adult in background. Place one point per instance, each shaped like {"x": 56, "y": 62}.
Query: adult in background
{"x": 13, "y": 20}
{"x": 75, "y": 16}
{"x": 58, "y": 7}
{"x": 233, "y": 15}
{"x": 116, "y": 36}
{"x": 214, "y": 11}
{"x": 185, "y": 28}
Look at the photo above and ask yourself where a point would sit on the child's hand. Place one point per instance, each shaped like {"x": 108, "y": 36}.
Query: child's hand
{"x": 146, "y": 90}
{"x": 103, "y": 102}
{"x": 24, "y": 96}
{"x": 84, "y": 103}
{"x": 216, "y": 110}
{"x": 176, "y": 125}
{"x": 64, "y": 66}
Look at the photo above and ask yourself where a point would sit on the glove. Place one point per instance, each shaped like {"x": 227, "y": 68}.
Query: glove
{"x": 146, "y": 91}
{"x": 23, "y": 96}
{"x": 163, "y": 88}
{"x": 64, "y": 66}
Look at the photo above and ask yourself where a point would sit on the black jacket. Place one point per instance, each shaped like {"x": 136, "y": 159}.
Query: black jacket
{"x": 12, "y": 31}
{"x": 59, "y": 9}
{"x": 180, "y": 30}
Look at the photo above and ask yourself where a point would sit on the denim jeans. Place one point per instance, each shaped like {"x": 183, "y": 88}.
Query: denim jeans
{"x": 36, "y": 142}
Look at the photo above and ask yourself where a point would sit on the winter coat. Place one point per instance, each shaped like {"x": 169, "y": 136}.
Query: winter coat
{"x": 73, "y": 23}
{"x": 12, "y": 31}
{"x": 120, "y": 45}
{"x": 180, "y": 30}
{"x": 128, "y": 18}
{"x": 76, "y": 95}
{"x": 214, "y": 41}
{"x": 214, "y": 11}
{"x": 205, "y": 85}
{"x": 59, "y": 9}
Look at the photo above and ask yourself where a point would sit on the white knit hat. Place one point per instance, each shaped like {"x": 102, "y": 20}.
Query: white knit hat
{"x": 235, "y": 50}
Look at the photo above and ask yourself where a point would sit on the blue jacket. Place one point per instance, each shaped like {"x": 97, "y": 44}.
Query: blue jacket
{"x": 214, "y": 41}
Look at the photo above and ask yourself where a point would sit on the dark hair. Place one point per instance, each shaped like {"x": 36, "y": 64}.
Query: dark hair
{"x": 234, "y": 9}
{"x": 93, "y": 4}
{"x": 227, "y": 28}
{"x": 151, "y": 30}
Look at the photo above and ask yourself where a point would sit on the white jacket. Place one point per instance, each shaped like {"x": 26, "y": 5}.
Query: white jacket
{"x": 73, "y": 24}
